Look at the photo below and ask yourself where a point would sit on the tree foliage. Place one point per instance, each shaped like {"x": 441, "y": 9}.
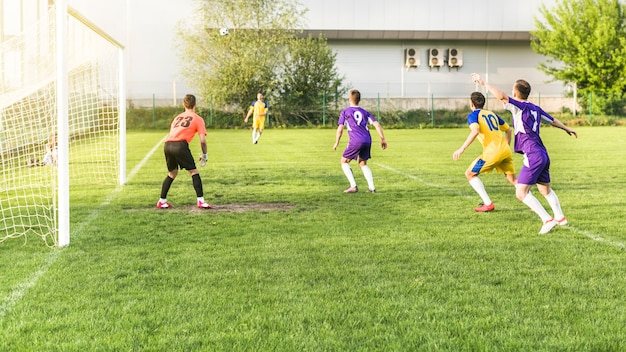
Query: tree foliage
{"x": 256, "y": 56}
{"x": 585, "y": 42}
{"x": 310, "y": 77}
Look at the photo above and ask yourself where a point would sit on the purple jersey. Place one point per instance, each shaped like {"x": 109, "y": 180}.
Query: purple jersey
{"x": 356, "y": 119}
{"x": 527, "y": 118}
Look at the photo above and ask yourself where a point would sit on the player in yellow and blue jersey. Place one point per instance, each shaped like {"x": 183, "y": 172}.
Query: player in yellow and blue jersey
{"x": 487, "y": 127}
{"x": 258, "y": 110}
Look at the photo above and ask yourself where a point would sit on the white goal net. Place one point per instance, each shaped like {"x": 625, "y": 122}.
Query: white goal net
{"x": 30, "y": 120}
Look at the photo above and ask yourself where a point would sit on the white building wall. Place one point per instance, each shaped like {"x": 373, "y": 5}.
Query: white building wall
{"x": 369, "y": 38}
{"x": 421, "y": 15}
{"x": 377, "y": 68}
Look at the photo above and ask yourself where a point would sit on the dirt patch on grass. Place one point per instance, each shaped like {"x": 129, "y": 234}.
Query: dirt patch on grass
{"x": 242, "y": 208}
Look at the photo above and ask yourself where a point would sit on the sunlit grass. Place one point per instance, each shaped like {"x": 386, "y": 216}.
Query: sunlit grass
{"x": 287, "y": 262}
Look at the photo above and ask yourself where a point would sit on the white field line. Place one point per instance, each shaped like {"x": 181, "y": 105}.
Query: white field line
{"x": 596, "y": 237}
{"x": 22, "y": 288}
{"x": 567, "y": 227}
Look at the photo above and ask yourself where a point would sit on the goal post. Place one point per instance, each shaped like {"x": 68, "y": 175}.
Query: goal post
{"x": 63, "y": 122}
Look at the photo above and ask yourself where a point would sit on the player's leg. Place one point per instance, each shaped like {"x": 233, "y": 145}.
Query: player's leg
{"x": 553, "y": 200}
{"x": 345, "y": 166}
{"x": 511, "y": 178}
{"x": 261, "y": 126}
{"x": 543, "y": 185}
{"x": 170, "y": 150}
{"x": 187, "y": 162}
{"x": 197, "y": 186}
{"x": 364, "y": 156}
{"x": 507, "y": 167}
{"x": 529, "y": 174}
{"x": 165, "y": 188}
{"x": 254, "y": 127}
{"x": 349, "y": 154}
{"x": 476, "y": 167}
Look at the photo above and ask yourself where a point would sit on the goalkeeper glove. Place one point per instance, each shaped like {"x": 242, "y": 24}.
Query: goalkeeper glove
{"x": 203, "y": 159}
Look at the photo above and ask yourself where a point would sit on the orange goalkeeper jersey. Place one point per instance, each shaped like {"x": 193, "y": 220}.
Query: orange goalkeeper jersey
{"x": 185, "y": 126}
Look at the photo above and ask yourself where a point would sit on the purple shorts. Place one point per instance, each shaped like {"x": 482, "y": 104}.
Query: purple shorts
{"x": 358, "y": 151}
{"x": 535, "y": 169}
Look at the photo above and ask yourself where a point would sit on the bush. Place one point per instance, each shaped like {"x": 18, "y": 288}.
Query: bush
{"x": 160, "y": 118}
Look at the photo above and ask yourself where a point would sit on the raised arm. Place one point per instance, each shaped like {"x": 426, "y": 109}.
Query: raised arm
{"x": 495, "y": 91}
{"x": 559, "y": 124}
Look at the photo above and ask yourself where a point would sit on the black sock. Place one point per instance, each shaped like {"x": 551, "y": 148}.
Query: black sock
{"x": 165, "y": 187}
{"x": 197, "y": 185}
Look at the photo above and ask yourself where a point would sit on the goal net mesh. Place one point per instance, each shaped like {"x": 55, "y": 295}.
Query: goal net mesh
{"x": 28, "y": 123}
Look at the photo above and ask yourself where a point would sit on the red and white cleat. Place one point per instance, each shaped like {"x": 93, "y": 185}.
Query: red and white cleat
{"x": 163, "y": 205}
{"x": 203, "y": 205}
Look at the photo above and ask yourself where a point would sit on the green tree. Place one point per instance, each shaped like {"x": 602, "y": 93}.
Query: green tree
{"x": 254, "y": 57}
{"x": 309, "y": 76}
{"x": 585, "y": 41}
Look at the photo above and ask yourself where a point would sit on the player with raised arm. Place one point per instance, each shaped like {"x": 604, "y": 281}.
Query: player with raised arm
{"x": 355, "y": 119}
{"x": 258, "y": 110}
{"x": 487, "y": 127}
{"x": 527, "y": 119}
{"x": 178, "y": 155}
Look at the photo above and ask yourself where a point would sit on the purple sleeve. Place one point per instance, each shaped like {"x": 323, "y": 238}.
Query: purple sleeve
{"x": 370, "y": 118}
{"x": 342, "y": 118}
{"x": 545, "y": 117}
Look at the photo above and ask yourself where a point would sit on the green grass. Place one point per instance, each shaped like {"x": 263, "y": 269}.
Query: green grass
{"x": 287, "y": 262}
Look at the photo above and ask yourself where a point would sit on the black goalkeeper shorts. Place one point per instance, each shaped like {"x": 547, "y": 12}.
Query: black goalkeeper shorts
{"x": 178, "y": 155}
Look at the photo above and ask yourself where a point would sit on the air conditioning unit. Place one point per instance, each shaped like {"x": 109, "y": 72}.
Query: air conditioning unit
{"x": 455, "y": 57}
{"x": 435, "y": 57}
{"x": 411, "y": 57}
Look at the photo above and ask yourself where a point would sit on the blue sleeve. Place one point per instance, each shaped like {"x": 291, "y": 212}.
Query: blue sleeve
{"x": 472, "y": 117}
{"x": 500, "y": 120}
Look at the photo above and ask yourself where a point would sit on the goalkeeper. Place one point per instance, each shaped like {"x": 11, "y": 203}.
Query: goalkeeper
{"x": 178, "y": 155}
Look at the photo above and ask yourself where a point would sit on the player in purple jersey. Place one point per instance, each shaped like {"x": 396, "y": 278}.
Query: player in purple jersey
{"x": 355, "y": 119}
{"x": 527, "y": 118}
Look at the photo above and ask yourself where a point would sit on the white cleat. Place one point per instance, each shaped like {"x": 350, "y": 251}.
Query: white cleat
{"x": 547, "y": 226}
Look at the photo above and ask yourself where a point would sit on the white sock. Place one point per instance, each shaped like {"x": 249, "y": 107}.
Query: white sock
{"x": 163, "y": 200}
{"x": 201, "y": 199}
{"x": 253, "y": 135}
{"x": 534, "y": 205}
{"x": 478, "y": 186}
{"x": 348, "y": 171}
{"x": 553, "y": 200}
{"x": 367, "y": 172}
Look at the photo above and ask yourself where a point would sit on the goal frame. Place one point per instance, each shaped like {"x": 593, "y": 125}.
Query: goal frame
{"x": 62, "y": 76}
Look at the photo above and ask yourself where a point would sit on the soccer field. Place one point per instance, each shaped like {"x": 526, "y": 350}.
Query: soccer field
{"x": 287, "y": 262}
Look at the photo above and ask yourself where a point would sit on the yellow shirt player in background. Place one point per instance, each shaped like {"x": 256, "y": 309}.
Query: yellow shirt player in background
{"x": 487, "y": 127}
{"x": 258, "y": 109}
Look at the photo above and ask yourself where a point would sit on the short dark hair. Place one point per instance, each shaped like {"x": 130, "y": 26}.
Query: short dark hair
{"x": 355, "y": 96}
{"x": 478, "y": 100}
{"x": 523, "y": 87}
{"x": 190, "y": 101}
